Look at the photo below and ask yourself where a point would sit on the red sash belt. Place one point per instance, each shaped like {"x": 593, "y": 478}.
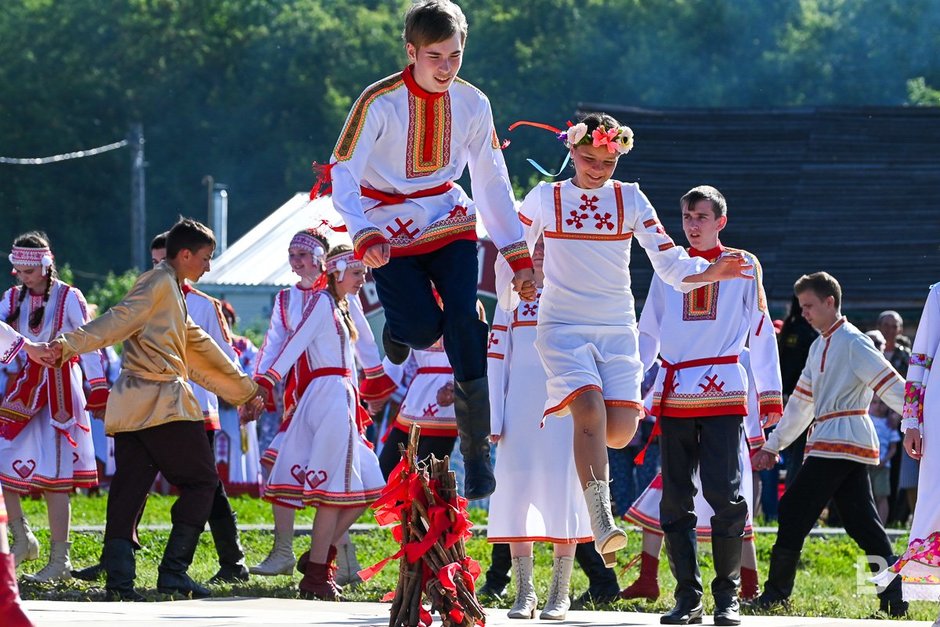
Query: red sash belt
{"x": 669, "y": 382}
{"x": 307, "y": 377}
{"x": 434, "y": 370}
{"x": 386, "y": 198}
{"x": 671, "y": 370}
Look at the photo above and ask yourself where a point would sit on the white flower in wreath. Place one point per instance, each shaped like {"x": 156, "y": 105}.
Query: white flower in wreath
{"x": 576, "y": 133}
{"x": 625, "y": 140}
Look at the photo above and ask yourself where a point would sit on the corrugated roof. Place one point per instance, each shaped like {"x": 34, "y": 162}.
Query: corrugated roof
{"x": 260, "y": 256}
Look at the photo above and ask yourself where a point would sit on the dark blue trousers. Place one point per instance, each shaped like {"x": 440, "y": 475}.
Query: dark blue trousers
{"x": 414, "y": 317}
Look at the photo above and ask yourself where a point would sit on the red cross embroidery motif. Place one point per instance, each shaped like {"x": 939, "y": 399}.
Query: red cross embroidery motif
{"x": 590, "y": 204}
{"x": 431, "y": 410}
{"x": 402, "y": 229}
{"x": 712, "y": 386}
{"x": 529, "y": 309}
{"x": 576, "y": 218}
{"x": 493, "y": 340}
{"x": 603, "y": 221}
{"x": 457, "y": 212}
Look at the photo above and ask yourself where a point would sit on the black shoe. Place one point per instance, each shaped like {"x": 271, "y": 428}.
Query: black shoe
{"x": 117, "y": 558}
{"x": 727, "y": 611}
{"x": 890, "y": 600}
{"x": 681, "y": 549}
{"x": 396, "y": 352}
{"x": 132, "y": 596}
{"x": 479, "y": 481}
{"x": 727, "y": 558}
{"x": 232, "y": 568}
{"x": 177, "y": 557}
{"x": 780, "y": 579}
{"x": 595, "y": 598}
{"x": 491, "y": 592}
{"x": 91, "y": 573}
{"x": 472, "y": 410}
{"x": 229, "y": 574}
{"x": 687, "y": 611}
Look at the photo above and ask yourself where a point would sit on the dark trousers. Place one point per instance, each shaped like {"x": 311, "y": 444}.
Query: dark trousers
{"x": 414, "y": 317}
{"x": 436, "y": 445}
{"x": 711, "y": 446}
{"x": 847, "y": 484}
{"x": 179, "y": 450}
{"x": 221, "y": 508}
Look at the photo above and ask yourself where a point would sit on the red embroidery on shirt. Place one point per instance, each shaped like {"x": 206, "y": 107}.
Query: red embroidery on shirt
{"x": 403, "y": 230}
{"x": 712, "y": 386}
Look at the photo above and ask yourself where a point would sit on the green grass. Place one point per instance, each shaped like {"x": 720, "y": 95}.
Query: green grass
{"x": 825, "y": 584}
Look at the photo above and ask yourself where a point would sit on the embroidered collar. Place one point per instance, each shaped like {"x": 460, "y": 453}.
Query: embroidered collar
{"x": 711, "y": 254}
{"x": 416, "y": 89}
{"x": 835, "y": 327}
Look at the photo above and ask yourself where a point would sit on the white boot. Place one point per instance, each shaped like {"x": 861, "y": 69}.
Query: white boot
{"x": 59, "y": 567}
{"x": 281, "y": 560}
{"x": 347, "y": 566}
{"x": 936, "y": 623}
{"x": 608, "y": 537}
{"x": 526, "y": 601}
{"x": 24, "y": 545}
{"x": 556, "y": 607}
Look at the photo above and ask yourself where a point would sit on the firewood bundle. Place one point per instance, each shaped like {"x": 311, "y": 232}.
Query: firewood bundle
{"x": 431, "y": 525}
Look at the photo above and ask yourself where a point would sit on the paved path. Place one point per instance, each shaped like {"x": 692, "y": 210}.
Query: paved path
{"x": 243, "y": 611}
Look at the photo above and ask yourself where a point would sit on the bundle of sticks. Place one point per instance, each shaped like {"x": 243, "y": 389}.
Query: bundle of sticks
{"x": 432, "y": 525}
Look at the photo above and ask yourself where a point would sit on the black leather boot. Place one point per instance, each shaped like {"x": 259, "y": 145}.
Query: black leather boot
{"x": 890, "y": 600}
{"x": 683, "y": 562}
{"x": 232, "y": 568}
{"x": 497, "y": 576}
{"x": 472, "y": 409}
{"x": 117, "y": 558}
{"x": 779, "y": 584}
{"x": 726, "y": 553}
{"x": 396, "y": 352}
{"x": 177, "y": 557}
{"x": 602, "y": 581}
{"x": 90, "y": 573}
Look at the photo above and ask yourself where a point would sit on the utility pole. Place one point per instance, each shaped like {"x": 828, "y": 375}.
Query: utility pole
{"x": 138, "y": 198}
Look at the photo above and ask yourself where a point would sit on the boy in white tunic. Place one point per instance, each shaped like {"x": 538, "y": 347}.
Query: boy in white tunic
{"x": 835, "y": 389}
{"x": 407, "y": 139}
{"x": 700, "y": 400}
{"x": 586, "y": 333}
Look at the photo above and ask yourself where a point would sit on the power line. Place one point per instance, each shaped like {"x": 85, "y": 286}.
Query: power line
{"x": 78, "y": 154}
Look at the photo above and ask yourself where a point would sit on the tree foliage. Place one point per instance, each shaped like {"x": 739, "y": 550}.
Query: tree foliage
{"x": 252, "y": 91}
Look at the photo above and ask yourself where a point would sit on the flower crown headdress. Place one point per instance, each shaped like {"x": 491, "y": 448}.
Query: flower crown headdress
{"x": 618, "y": 140}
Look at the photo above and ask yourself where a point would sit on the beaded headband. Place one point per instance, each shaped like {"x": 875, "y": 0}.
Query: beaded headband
{"x": 23, "y": 256}
{"x": 342, "y": 262}
{"x": 310, "y": 241}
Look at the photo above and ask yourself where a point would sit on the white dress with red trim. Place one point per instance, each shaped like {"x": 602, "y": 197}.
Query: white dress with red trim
{"x": 842, "y": 372}
{"x": 288, "y": 309}
{"x": 324, "y": 458}
{"x": 919, "y": 566}
{"x": 700, "y": 335}
{"x": 587, "y": 335}
{"x": 420, "y": 404}
{"x": 645, "y": 510}
{"x": 396, "y": 160}
{"x": 46, "y": 439}
{"x": 538, "y": 497}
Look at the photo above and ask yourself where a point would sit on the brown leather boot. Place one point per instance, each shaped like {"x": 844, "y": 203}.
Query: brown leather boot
{"x": 318, "y": 583}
